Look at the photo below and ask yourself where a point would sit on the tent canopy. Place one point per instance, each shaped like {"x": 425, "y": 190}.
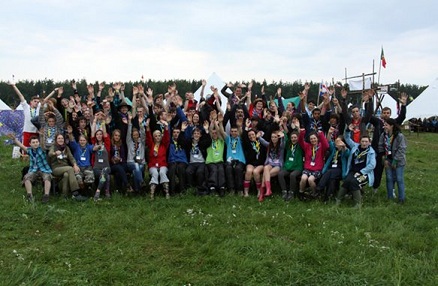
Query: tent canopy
{"x": 424, "y": 105}
{"x": 216, "y": 81}
{"x": 4, "y": 106}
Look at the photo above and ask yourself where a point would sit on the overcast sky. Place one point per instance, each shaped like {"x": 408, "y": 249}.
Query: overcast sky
{"x": 239, "y": 40}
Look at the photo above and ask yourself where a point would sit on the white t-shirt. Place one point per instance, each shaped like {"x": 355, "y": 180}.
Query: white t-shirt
{"x": 28, "y": 114}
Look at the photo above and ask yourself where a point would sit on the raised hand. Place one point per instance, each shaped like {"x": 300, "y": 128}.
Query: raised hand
{"x": 73, "y": 84}
{"x": 184, "y": 125}
{"x": 205, "y": 124}
{"x": 250, "y": 84}
{"x": 279, "y": 92}
{"x": 134, "y": 90}
{"x": 403, "y": 98}
{"x": 60, "y": 90}
{"x": 204, "y": 82}
{"x": 117, "y": 86}
{"x": 101, "y": 86}
{"x": 90, "y": 89}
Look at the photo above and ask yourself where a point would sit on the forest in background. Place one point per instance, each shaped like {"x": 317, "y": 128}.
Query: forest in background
{"x": 30, "y": 88}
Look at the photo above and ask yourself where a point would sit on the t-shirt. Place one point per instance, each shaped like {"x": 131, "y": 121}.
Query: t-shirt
{"x": 28, "y": 115}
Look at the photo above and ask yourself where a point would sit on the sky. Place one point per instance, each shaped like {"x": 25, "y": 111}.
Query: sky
{"x": 239, "y": 40}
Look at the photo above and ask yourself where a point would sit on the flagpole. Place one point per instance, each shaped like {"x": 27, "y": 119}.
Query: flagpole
{"x": 380, "y": 67}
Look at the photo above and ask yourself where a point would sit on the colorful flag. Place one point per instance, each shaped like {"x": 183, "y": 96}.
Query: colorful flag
{"x": 322, "y": 89}
{"x": 382, "y": 59}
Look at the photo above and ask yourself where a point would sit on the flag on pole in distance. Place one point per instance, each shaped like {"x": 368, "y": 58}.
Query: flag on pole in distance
{"x": 382, "y": 59}
{"x": 323, "y": 88}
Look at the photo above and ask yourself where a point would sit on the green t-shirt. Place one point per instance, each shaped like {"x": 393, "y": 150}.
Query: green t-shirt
{"x": 215, "y": 153}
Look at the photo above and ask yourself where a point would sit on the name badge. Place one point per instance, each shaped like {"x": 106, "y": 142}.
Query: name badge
{"x": 233, "y": 151}
{"x": 389, "y": 152}
{"x": 83, "y": 159}
{"x": 312, "y": 164}
{"x": 156, "y": 165}
{"x": 100, "y": 160}
{"x": 291, "y": 159}
{"x": 196, "y": 156}
{"x": 216, "y": 153}
{"x": 137, "y": 158}
{"x": 49, "y": 140}
{"x": 334, "y": 165}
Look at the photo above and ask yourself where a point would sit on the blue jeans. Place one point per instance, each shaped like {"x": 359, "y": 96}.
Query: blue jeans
{"x": 137, "y": 171}
{"x": 398, "y": 175}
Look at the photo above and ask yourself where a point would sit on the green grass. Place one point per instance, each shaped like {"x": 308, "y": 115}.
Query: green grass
{"x": 223, "y": 241}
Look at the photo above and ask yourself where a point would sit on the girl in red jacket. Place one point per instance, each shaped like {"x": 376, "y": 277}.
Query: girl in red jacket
{"x": 314, "y": 153}
{"x": 158, "y": 143}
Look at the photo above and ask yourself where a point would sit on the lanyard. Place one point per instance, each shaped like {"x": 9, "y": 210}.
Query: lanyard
{"x": 314, "y": 150}
{"x": 195, "y": 148}
{"x": 233, "y": 143}
{"x": 32, "y": 112}
{"x": 335, "y": 158}
{"x": 83, "y": 152}
{"x": 361, "y": 154}
{"x": 176, "y": 145}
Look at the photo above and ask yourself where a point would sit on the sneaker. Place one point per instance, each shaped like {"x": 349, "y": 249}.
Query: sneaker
{"x": 45, "y": 199}
{"x": 284, "y": 194}
{"x": 290, "y": 196}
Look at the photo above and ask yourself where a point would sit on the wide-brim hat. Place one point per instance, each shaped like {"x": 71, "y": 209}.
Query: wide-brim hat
{"x": 124, "y": 103}
{"x": 257, "y": 100}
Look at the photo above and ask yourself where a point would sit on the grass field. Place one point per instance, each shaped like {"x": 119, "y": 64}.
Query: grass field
{"x": 190, "y": 240}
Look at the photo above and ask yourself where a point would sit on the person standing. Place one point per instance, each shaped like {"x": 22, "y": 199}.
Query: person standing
{"x": 31, "y": 111}
{"x": 393, "y": 145}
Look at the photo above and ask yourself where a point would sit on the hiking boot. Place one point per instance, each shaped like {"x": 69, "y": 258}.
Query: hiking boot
{"x": 29, "y": 198}
{"x": 45, "y": 199}
{"x": 96, "y": 197}
{"x": 222, "y": 192}
{"x": 79, "y": 198}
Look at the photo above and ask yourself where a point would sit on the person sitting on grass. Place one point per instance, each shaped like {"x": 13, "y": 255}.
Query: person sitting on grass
{"x": 158, "y": 142}
{"x": 335, "y": 166}
{"x": 38, "y": 167}
{"x": 360, "y": 166}
{"x": 101, "y": 164}
{"x": 292, "y": 167}
{"x": 314, "y": 153}
{"x": 82, "y": 153}
{"x": 65, "y": 167}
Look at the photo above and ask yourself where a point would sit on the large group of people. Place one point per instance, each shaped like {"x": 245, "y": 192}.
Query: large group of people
{"x": 315, "y": 150}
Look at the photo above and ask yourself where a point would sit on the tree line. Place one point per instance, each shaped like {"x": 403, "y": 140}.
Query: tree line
{"x": 31, "y": 88}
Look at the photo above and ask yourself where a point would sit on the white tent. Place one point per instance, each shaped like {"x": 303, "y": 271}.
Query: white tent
{"x": 216, "y": 81}
{"x": 19, "y": 107}
{"x": 4, "y": 106}
{"x": 424, "y": 105}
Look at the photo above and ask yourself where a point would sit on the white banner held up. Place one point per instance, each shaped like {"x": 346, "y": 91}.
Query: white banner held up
{"x": 358, "y": 84}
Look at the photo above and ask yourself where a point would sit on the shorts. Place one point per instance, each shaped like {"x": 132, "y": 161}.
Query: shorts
{"x": 33, "y": 176}
{"x": 316, "y": 174}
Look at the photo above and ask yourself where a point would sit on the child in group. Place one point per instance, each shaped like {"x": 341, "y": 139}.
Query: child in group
{"x": 38, "y": 167}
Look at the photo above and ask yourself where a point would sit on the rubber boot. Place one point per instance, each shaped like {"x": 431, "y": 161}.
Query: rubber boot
{"x": 153, "y": 187}
{"x": 166, "y": 190}
{"x": 357, "y": 198}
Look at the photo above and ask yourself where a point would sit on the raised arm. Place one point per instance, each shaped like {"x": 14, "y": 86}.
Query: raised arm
{"x": 18, "y": 92}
